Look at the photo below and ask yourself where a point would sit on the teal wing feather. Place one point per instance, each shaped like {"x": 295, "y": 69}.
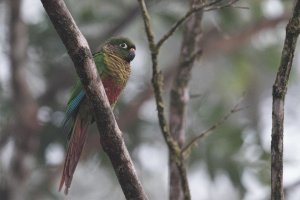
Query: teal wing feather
{"x": 76, "y": 122}
{"x": 78, "y": 93}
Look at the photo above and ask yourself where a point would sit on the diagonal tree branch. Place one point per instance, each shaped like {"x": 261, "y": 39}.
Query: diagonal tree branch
{"x": 208, "y": 6}
{"x": 279, "y": 92}
{"x": 188, "y": 147}
{"x": 228, "y": 4}
{"x": 182, "y": 20}
{"x": 111, "y": 136}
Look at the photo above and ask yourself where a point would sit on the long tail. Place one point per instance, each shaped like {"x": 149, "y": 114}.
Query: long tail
{"x": 75, "y": 146}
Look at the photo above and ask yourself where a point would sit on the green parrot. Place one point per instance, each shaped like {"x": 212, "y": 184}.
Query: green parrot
{"x": 113, "y": 66}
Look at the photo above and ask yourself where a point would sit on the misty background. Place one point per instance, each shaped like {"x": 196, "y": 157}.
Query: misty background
{"x": 241, "y": 54}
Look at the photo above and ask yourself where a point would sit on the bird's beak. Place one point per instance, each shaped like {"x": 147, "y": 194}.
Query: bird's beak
{"x": 131, "y": 54}
{"x": 132, "y": 49}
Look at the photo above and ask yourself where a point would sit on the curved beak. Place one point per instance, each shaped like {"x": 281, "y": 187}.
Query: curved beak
{"x": 131, "y": 54}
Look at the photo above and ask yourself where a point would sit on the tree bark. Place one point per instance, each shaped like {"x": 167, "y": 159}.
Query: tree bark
{"x": 25, "y": 107}
{"x": 110, "y": 134}
{"x": 279, "y": 92}
{"x": 179, "y": 96}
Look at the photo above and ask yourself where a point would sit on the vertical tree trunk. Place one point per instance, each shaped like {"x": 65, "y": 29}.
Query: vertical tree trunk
{"x": 25, "y": 108}
{"x": 180, "y": 93}
{"x": 279, "y": 92}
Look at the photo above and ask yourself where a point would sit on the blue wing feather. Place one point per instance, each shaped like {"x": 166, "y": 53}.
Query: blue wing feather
{"x": 73, "y": 106}
{"x": 78, "y": 94}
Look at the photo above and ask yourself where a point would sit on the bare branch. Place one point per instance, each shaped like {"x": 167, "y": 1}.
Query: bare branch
{"x": 189, "y": 13}
{"x": 229, "y": 4}
{"x": 213, "y": 45}
{"x": 157, "y": 81}
{"x": 149, "y": 32}
{"x": 176, "y": 158}
{"x": 279, "y": 92}
{"x": 187, "y": 149}
{"x": 111, "y": 136}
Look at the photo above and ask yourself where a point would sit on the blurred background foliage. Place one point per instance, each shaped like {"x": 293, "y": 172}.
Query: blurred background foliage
{"x": 241, "y": 49}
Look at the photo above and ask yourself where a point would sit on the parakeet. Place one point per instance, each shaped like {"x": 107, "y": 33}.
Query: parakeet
{"x": 113, "y": 66}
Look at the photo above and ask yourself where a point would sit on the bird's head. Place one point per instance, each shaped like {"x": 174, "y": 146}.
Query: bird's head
{"x": 121, "y": 47}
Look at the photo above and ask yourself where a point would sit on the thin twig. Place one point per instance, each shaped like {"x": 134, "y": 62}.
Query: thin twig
{"x": 229, "y": 4}
{"x": 187, "y": 149}
{"x": 149, "y": 31}
{"x": 188, "y": 14}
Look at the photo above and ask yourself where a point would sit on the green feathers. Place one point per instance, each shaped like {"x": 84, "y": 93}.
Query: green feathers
{"x": 112, "y": 62}
{"x": 120, "y": 47}
{"x": 113, "y": 66}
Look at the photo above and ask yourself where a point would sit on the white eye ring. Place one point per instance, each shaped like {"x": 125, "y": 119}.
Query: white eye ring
{"x": 123, "y": 45}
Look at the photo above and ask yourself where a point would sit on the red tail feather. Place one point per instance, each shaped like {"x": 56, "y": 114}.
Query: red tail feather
{"x": 74, "y": 150}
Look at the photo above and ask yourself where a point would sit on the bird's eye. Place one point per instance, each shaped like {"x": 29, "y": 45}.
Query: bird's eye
{"x": 123, "y": 45}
